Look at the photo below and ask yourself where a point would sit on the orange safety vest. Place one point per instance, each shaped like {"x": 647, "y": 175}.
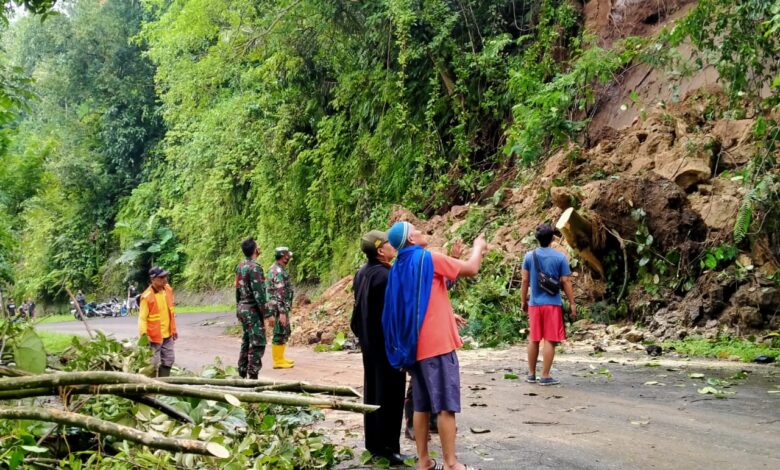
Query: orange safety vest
{"x": 153, "y": 329}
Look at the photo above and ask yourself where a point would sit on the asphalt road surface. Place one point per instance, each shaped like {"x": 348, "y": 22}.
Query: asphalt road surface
{"x": 610, "y": 412}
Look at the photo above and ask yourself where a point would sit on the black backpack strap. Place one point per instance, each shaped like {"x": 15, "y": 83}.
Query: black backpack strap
{"x": 536, "y": 263}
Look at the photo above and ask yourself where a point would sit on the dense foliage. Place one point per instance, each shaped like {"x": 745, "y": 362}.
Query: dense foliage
{"x": 300, "y": 122}
{"x": 79, "y": 145}
{"x": 165, "y": 131}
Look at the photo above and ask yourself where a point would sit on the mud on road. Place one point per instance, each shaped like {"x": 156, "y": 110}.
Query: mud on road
{"x": 617, "y": 411}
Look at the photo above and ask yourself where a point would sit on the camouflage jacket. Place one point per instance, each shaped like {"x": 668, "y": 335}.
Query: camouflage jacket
{"x": 280, "y": 291}
{"x": 250, "y": 285}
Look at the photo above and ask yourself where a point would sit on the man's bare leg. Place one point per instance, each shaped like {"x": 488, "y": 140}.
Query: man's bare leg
{"x": 548, "y": 353}
{"x": 421, "y": 422}
{"x": 533, "y": 355}
{"x": 447, "y": 430}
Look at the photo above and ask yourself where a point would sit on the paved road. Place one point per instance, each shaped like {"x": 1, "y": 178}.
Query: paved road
{"x": 589, "y": 422}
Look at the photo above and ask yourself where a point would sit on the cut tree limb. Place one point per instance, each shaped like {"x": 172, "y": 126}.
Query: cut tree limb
{"x": 580, "y": 235}
{"x": 70, "y": 378}
{"x": 262, "y": 383}
{"x": 112, "y": 429}
{"x": 161, "y": 407}
{"x": 289, "y": 399}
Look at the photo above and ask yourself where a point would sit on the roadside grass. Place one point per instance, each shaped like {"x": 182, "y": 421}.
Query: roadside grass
{"x": 180, "y": 310}
{"x": 725, "y": 347}
{"x": 54, "y": 342}
{"x": 205, "y": 308}
{"x": 63, "y": 317}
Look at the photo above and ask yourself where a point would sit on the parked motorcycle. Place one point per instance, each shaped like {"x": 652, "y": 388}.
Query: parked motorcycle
{"x": 112, "y": 308}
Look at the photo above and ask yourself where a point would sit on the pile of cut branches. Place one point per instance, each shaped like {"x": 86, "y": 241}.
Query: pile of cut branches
{"x": 104, "y": 418}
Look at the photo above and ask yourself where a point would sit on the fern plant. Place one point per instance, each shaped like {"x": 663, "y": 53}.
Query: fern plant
{"x": 759, "y": 194}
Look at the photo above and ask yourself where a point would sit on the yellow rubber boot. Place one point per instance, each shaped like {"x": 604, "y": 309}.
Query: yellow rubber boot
{"x": 277, "y": 351}
{"x": 289, "y": 361}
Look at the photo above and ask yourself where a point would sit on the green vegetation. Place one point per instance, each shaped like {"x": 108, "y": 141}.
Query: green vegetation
{"x": 56, "y": 318}
{"x": 162, "y": 132}
{"x": 726, "y": 347}
{"x": 56, "y": 343}
{"x": 205, "y": 308}
{"x": 300, "y": 123}
{"x": 260, "y": 435}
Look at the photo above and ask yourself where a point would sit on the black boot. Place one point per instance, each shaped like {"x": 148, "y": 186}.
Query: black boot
{"x": 164, "y": 371}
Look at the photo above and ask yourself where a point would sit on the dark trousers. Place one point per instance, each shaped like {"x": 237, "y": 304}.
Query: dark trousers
{"x": 383, "y": 386}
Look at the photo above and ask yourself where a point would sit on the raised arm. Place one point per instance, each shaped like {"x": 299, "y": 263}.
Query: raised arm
{"x": 470, "y": 267}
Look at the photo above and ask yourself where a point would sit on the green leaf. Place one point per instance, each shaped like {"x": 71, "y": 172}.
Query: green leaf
{"x": 511, "y": 376}
{"x": 35, "y": 449}
{"x": 29, "y": 353}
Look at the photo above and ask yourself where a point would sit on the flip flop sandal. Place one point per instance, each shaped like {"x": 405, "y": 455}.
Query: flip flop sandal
{"x": 436, "y": 465}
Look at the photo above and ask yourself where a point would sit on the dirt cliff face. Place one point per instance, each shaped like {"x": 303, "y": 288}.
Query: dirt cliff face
{"x": 614, "y": 19}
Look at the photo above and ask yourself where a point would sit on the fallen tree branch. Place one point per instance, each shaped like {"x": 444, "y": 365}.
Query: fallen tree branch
{"x": 259, "y": 383}
{"x": 70, "y": 378}
{"x": 11, "y": 372}
{"x": 27, "y": 393}
{"x": 289, "y": 399}
{"x": 112, "y": 429}
{"x": 160, "y": 406}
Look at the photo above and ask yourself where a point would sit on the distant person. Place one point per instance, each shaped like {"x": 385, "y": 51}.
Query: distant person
{"x": 280, "y": 297}
{"x": 132, "y": 298}
{"x": 11, "y": 306}
{"x": 30, "y": 309}
{"x": 421, "y": 334}
{"x": 251, "y": 310}
{"x": 383, "y": 385}
{"x": 158, "y": 321}
{"x": 81, "y": 300}
{"x": 545, "y": 312}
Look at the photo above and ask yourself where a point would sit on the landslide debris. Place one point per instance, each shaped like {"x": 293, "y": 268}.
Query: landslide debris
{"x": 674, "y": 170}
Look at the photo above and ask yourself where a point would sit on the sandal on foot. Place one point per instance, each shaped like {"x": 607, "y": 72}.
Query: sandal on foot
{"x": 436, "y": 465}
{"x": 549, "y": 381}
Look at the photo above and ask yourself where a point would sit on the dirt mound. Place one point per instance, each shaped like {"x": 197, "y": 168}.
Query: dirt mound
{"x": 624, "y": 204}
{"x": 321, "y": 320}
{"x": 612, "y": 19}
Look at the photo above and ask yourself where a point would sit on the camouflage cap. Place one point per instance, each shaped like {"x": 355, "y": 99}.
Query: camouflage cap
{"x": 371, "y": 241}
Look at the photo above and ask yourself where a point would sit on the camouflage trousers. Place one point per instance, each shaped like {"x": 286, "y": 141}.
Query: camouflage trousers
{"x": 252, "y": 342}
{"x": 281, "y": 334}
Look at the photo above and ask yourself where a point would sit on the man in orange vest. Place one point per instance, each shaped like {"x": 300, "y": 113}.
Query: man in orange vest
{"x": 156, "y": 320}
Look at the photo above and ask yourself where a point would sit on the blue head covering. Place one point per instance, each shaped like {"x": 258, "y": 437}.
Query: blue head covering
{"x": 398, "y": 234}
{"x": 407, "y": 294}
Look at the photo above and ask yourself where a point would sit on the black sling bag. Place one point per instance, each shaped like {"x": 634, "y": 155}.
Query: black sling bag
{"x": 547, "y": 283}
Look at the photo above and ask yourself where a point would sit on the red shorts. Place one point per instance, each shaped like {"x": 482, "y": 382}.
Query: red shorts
{"x": 546, "y": 322}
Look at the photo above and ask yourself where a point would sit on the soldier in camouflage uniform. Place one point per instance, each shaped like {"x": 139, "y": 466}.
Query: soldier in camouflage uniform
{"x": 280, "y": 296}
{"x": 251, "y": 309}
